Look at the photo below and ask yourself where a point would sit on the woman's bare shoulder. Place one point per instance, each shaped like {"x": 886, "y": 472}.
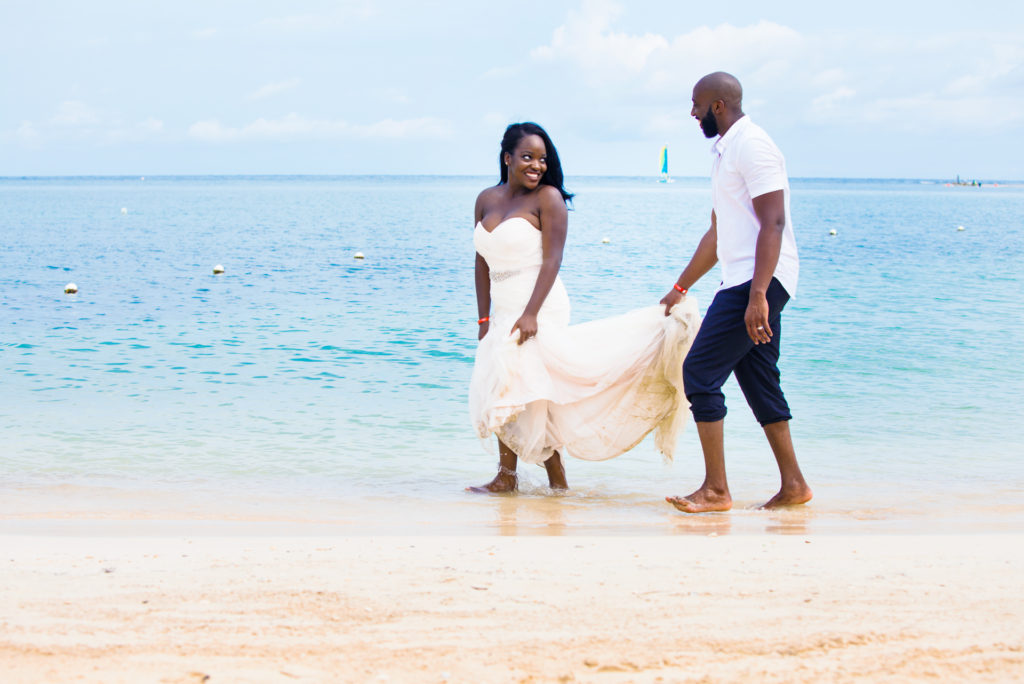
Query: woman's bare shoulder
{"x": 489, "y": 193}
{"x": 487, "y": 198}
{"x": 549, "y": 199}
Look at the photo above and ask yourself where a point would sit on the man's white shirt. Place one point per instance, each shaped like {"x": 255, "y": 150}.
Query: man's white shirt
{"x": 748, "y": 164}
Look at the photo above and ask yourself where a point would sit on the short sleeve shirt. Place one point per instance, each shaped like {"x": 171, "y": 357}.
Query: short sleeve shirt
{"x": 747, "y": 164}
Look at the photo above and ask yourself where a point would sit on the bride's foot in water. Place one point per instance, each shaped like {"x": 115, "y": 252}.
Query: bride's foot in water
{"x": 505, "y": 481}
{"x": 556, "y": 473}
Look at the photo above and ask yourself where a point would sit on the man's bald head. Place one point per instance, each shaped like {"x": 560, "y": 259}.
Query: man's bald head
{"x": 721, "y": 86}
{"x": 717, "y": 103}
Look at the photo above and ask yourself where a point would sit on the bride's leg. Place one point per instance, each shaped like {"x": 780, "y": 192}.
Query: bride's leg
{"x": 505, "y": 480}
{"x": 556, "y": 472}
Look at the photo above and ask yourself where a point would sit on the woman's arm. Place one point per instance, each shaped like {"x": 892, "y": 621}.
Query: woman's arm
{"x": 554, "y": 223}
{"x": 482, "y": 276}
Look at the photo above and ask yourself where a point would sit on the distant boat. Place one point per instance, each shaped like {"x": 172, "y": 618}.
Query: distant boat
{"x": 973, "y": 183}
{"x": 664, "y": 166}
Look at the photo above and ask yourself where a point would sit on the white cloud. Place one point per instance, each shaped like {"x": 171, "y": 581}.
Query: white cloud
{"x": 851, "y": 77}
{"x": 587, "y": 40}
{"x": 75, "y": 113}
{"x": 271, "y": 89}
{"x": 27, "y": 132}
{"x": 936, "y": 112}
{"x": 78, "y": 121}
{"x": 146, "y": 129}
{"x": 296, "y": 127}
{"x": 204, "y": 33}
{"x": 501, "y": 72}
{"x": 829, "y": 102}
{"x": 654, "y": 62}
{"x": 828, "y": 78}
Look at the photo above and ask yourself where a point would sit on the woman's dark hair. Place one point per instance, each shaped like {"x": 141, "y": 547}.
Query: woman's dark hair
{"x": 553, "y": 176}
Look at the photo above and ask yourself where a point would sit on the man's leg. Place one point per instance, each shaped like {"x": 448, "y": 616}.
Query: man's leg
{"x": 758, "y": 376}
{"x": 721, "y": 342}
{"x": 713, "y": 495}
{"x": 794, "y": 489}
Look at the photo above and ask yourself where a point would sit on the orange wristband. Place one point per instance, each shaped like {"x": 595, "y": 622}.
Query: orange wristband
{"x": 483, "y": 320}
{"x": 681, "y": 289}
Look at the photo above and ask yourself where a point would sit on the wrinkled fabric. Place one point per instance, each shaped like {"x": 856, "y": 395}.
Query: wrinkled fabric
{"x": 591, "y": 391}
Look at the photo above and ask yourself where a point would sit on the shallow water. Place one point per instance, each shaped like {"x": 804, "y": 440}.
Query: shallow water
{"x": 303, "y": 385}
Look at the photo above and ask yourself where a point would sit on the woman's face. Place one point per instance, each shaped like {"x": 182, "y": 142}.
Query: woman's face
{"x": 528, "y": 163}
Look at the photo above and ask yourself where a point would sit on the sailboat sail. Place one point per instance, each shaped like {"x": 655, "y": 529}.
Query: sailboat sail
{"x": 664, "y": 165}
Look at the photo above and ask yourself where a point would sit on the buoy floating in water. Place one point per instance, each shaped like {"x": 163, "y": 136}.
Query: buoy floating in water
{"x": 218, "y": 269}
{"x": 70, "y": 288}
{"x": 358, "y": 255}
{"x": 960, "y": 228}
{"x": 605, "y": 241}
{"x": 124, "y": 210}
{"x": 832, "y": 232}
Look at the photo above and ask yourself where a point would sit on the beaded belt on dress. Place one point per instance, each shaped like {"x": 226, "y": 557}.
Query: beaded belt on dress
{"x": 498, "y": 276}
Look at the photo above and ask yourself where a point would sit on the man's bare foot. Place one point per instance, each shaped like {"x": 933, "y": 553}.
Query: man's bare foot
{"x": 504, "y": 481}
{"x": 790, "y": 495}
{"x": 702, "y": 501}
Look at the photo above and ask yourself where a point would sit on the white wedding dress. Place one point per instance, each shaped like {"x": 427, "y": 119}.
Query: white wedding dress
{"x": 593, "y": 390}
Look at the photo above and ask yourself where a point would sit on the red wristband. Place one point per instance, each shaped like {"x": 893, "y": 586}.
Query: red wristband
{"x": 681, "y": 289}
{"x": 483, "y": 320}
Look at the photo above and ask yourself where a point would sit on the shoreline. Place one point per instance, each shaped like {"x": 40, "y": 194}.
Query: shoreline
{"x": 474, "y": 608}
{"x": 75, "y": 511}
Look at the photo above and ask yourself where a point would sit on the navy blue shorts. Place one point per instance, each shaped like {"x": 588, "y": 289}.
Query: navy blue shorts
{"x": 722, "y": 347}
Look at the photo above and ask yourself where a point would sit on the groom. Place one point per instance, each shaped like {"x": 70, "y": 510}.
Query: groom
{"x": 751, "y": 235}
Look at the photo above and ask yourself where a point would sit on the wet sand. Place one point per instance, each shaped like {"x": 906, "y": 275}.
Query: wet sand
{"x": 428, "y": 608}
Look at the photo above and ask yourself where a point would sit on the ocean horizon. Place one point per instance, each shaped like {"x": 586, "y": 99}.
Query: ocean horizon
{"x": 327, "y": 176}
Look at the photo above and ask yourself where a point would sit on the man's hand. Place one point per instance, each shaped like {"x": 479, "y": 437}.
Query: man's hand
{"x": 673, "y": 297}
{"x": 756, "y": 319}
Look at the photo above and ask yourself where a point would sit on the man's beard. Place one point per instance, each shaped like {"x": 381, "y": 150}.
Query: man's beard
{"x": 708, "y": 124}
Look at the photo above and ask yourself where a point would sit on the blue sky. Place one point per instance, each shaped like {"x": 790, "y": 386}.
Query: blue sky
{"x": 866, "y": 89}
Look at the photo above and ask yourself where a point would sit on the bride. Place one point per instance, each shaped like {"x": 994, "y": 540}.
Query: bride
{"x": 546, "y": 388}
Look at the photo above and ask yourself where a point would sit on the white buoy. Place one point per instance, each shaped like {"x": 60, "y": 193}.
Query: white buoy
{"x": 605, "y": 241}
{"x": 70, "y": 288}
{"x": 358, "y": 255}
{"x": 218, "y": 269}
{"x": 142, "y": 178}
{"x": 960, "y": 228}
{"x": 832, "y": 232}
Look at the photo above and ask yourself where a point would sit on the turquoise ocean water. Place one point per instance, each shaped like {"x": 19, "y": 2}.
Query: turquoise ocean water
{"x": 306, "y": 386}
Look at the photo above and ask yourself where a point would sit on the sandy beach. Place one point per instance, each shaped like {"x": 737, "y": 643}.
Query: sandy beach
{"x": 713, "y": 608}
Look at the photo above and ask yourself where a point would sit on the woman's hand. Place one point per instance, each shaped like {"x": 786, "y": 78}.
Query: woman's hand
{"x": 484, "y": 327}
{"x": 527, "y": 327}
